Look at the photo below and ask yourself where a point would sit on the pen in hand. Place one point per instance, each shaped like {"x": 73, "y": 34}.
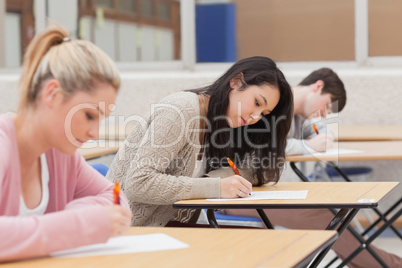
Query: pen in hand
{"x": 232, "y": 165}
{"x": 116, "y": 193}
{"x": 315, "y": 129}
{"x": 235, "y": 170}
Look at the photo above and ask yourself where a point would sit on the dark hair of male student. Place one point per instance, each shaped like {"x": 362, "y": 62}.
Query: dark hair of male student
{"x": 332, "y": 85}
{"x": 264, "y": 140}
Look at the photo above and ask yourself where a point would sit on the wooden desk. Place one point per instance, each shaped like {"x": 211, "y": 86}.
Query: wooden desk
{"x": 110, "y": 140}
{"x": 114, "y": 132}
{"x": 367, "y": 132}
{"x": 320, "y": 195}
{"x": 210, "y": 248}
{"x": 347, "y": 196}
{"x": 371, "y": 150}
{"x": 99, "y": 148}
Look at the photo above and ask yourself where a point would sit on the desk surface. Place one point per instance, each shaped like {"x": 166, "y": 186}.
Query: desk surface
{"x": 342, "y": 132}
{"x": 114, "y": 132}
{"x": 320, "y": 195}
{"x": 110, "y": 139}
{"x": 370, "y": 150}
{"x": 209, "y": 248}
{"x": 99, "y": 148}
{"x": 367, "y": 132}
{"x": 112, "y": 136}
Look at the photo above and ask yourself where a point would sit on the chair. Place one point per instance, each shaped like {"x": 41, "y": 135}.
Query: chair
{"x": 101, "y": 168}
{"x": 223, "y": 219}
{"x": 329, "y": 173}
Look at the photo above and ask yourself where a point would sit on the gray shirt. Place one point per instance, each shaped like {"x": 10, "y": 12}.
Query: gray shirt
{"x": 300, "y": 130}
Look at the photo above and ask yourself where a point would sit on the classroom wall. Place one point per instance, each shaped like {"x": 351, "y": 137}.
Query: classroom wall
{"x": 314, "y": 30}
{"x": 384, "y": 26}
{"x": 293, "y": 30}
{"x": 373, "y": 94}
{"x": 373, "y": 98}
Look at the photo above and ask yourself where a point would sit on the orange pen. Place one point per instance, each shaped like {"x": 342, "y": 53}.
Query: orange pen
{"x": 315, "y": 129}
{"x": 232, "y": 165}
{"x": 116, "y": 193}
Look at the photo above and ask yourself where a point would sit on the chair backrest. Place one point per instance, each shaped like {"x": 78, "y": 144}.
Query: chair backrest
{"x": 328, "y": 173}
{"x": 101, "y": 168}
{"x": 230, "y": 220}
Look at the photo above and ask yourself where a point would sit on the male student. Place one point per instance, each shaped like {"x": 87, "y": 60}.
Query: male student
{"x": 320, "y": 93}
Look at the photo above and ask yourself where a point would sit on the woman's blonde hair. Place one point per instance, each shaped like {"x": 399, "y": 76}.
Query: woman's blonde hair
{"x": 76, "y": 64}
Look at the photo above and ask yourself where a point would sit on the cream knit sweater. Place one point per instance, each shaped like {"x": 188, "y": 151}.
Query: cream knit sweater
{"x": 155, "y": 164}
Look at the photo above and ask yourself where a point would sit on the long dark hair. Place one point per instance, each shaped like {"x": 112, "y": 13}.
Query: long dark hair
{"x": 250, "y": 145}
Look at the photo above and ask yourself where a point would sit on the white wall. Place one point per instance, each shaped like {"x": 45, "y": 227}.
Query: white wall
{"x": 374, "y": 95}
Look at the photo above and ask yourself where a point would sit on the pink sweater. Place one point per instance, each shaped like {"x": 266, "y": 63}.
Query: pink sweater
{"x": 74, "y": 216}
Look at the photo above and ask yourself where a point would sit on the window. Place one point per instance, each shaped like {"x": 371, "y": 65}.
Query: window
{"x": 127, "y": 30}
{"x": 127, "y": 35}
{"x": 18, "y": 31}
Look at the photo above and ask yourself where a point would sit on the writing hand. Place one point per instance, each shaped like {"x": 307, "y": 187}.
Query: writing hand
{"x": 320, "y": 142}
{"x": 235, "y": 186}
{"x": 120, "y": 219}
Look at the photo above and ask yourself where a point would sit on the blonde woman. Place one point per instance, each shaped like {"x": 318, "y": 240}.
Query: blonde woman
{"x": 50, "y": 198}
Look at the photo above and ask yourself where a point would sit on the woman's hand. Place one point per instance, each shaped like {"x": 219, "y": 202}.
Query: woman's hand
{"x": 120, "y": 219}
{"x": 235, "y": 186}
{"x": 321, "y": 142}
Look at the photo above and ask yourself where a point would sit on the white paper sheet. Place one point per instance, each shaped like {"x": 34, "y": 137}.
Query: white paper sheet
{"x": 123, "y": 245}
{"x": 339, "y": 151}
{"x": 262, "y": 195}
